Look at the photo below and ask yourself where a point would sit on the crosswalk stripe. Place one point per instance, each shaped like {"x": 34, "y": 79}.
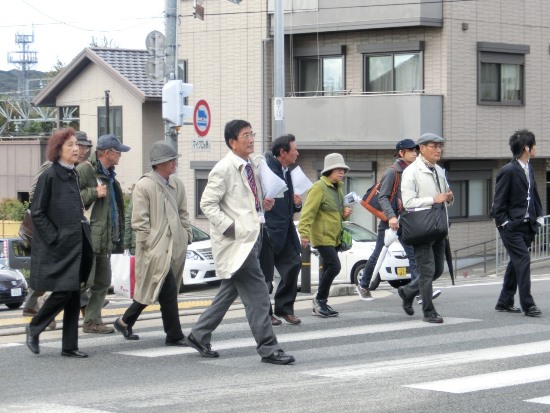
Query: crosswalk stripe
{"x": 488, "y": 381}
{"x": 435, "y": 360}
{"x": 303, "y": 336}
{"x": 540, "y": 400}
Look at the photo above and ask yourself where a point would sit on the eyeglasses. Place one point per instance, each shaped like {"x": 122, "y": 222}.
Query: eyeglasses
{"x": 112, "y": 150}
{"x": 249, "y": 135}
{"x": 435, "y": 145}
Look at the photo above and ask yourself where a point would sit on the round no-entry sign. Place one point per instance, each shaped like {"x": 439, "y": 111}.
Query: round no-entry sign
{"x": 201, "y": 118}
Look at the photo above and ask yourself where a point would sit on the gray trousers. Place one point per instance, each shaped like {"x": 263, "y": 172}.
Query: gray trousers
{"x": 248, "y": 283}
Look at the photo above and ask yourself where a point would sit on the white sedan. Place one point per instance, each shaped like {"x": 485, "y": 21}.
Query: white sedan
{"x": 394, "y": 270}
{"x": 199, "y": 263}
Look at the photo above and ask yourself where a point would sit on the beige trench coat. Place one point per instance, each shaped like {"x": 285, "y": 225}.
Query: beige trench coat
{"x": 162, "y": 234}
{"x": 228, "y": 198}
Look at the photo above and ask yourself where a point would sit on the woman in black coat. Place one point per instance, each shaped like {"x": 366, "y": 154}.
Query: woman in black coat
{"x": 61, "y": 255}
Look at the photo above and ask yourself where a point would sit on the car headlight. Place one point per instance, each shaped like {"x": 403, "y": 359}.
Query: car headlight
{"x": 194, "y": 255}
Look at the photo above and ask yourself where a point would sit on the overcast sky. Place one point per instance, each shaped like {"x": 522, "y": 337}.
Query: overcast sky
{"x": 62, "y": 28}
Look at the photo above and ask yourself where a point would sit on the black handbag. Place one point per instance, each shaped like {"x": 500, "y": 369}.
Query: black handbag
{"x": 426, "y": 225}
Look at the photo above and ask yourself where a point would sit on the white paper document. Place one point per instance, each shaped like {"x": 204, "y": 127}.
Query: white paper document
{"x": 272, "y": 185}
{"x": 300, "y": 181}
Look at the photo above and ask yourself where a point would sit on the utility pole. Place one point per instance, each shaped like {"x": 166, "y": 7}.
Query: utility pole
{"x": 278, "y": 127}
{"x": 107, "y": 113}
{"x": 171, "y": 30}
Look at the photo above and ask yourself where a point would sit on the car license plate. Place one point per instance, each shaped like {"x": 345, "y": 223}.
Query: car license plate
{"x": 16, "y": 292}
{"x": 401, "y": 271}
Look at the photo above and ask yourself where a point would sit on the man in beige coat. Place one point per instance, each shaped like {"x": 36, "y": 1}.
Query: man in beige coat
{"x": 234, "y": 205}
{"x": 163, "y": 231}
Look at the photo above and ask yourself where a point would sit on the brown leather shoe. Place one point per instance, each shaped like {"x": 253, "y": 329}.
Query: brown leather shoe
{"x": 290, "y": 318}
{"x": 275, "y": 321}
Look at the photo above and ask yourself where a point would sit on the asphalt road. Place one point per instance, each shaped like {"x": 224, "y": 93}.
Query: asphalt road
{"x": 373, "y": 358}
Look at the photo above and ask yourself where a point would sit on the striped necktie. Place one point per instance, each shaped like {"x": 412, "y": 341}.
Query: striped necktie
{"x": 252, "y": 183}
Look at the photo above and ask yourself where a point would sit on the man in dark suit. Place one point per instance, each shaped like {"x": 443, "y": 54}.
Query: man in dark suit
{"x": 281, "y": 247}
{"x": 517, "y": 212}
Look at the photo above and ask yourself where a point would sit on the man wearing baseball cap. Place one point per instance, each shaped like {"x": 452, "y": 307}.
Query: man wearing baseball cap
{"x": 406, "y": 154}
{"x": 102, "y": 197}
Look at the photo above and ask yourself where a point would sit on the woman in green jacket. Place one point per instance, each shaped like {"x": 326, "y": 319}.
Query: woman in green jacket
{"x": 321, "y": 225}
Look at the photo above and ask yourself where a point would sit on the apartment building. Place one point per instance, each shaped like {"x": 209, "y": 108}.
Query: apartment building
{"x": 362, "y": 74}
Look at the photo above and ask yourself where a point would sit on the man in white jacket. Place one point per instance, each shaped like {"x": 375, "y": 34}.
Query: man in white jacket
{"x": 424, "y": 184}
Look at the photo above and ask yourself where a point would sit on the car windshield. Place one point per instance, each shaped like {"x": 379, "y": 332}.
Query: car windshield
{"x": 359, "y": 233}
{"x": 199, "y": 235}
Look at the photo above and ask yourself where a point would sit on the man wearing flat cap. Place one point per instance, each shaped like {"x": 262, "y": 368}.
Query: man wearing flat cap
{"x": 102, "y": 197}
{"x": 406, "y": 154}
{"x": 423, "y": 185}
{"x": 161, "y": 223}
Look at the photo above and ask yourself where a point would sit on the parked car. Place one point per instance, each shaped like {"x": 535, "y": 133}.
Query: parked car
{"x": 13, "y": 287}
{"x": 199, "y": 263}
{"x": 15, "y": 253}
{"x": 395, "y": 268}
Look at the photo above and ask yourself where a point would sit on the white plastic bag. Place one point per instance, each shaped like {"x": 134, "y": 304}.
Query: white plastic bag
{"x": 123, "y": 274}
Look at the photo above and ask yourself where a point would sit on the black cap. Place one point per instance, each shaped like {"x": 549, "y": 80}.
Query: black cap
{"x": 405, "y": 144}
{"x": 82, "y": 139}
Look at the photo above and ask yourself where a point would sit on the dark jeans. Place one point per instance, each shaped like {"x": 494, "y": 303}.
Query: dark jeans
{"x": 168, "y": 300}
{"x": 518, "y": 272}
{"x": 430, "y": 261}
{"x": 371, "y": 262}
{"x": 331, "y": 268}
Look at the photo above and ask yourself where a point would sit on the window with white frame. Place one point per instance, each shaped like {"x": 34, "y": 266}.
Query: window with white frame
{"x": 202, "y": 169}
{"x": 501, "y": 74}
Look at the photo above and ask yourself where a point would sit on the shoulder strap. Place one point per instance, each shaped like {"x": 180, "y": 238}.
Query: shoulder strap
{"x": 395, "y": 183}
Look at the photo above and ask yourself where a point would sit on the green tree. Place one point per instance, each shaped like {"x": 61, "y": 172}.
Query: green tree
{"x": 12, "y": 209}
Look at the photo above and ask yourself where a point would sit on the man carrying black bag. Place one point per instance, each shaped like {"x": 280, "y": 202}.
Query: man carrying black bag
{"x": 423, "y": 185}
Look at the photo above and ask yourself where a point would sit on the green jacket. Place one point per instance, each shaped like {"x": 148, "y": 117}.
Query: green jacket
{"x": 321, "y": 219}
{"x": 101, "y": 220}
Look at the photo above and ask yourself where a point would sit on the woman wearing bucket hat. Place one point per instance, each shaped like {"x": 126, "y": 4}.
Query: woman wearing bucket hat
{"x": 321, "y": 225}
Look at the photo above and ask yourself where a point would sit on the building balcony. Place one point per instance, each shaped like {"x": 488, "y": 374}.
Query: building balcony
{"x": 313, "y": 16}
{"x": 365, "y": 121}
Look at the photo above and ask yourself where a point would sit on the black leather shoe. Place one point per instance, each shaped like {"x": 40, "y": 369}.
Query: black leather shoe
{"x": 126, "y": 331}
{"x": 32, "y": 341}
{"x": 433, "y": 318}
{"x": 176, "y": 343}
{"x": 407, "y": 305}
{"x": 74, "y": 353}
{"x": 279, "y": 357}
{"x": 506, "y": 308}
{"x": 205, "y": 351}
{"x": 533, "y": 311}
{"x": 275, "y": 321}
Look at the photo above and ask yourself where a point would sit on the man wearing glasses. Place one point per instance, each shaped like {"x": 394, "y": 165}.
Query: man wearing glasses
{"x": 102, "y": 197}
{"x": 234, "y": 204}
{"x": 423, "y": 185}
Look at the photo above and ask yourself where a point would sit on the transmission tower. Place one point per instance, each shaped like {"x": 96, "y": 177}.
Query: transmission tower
{"x": 23, "y": 59}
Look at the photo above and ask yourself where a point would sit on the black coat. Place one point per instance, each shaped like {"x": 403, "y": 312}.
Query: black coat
{"x": 60, "y": 259}
{"x": 510, "y": 200}
{"x": 280, "y": 219}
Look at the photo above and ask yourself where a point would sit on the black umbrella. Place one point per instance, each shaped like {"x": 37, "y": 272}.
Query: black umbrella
{"x": 449, "y": 258}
